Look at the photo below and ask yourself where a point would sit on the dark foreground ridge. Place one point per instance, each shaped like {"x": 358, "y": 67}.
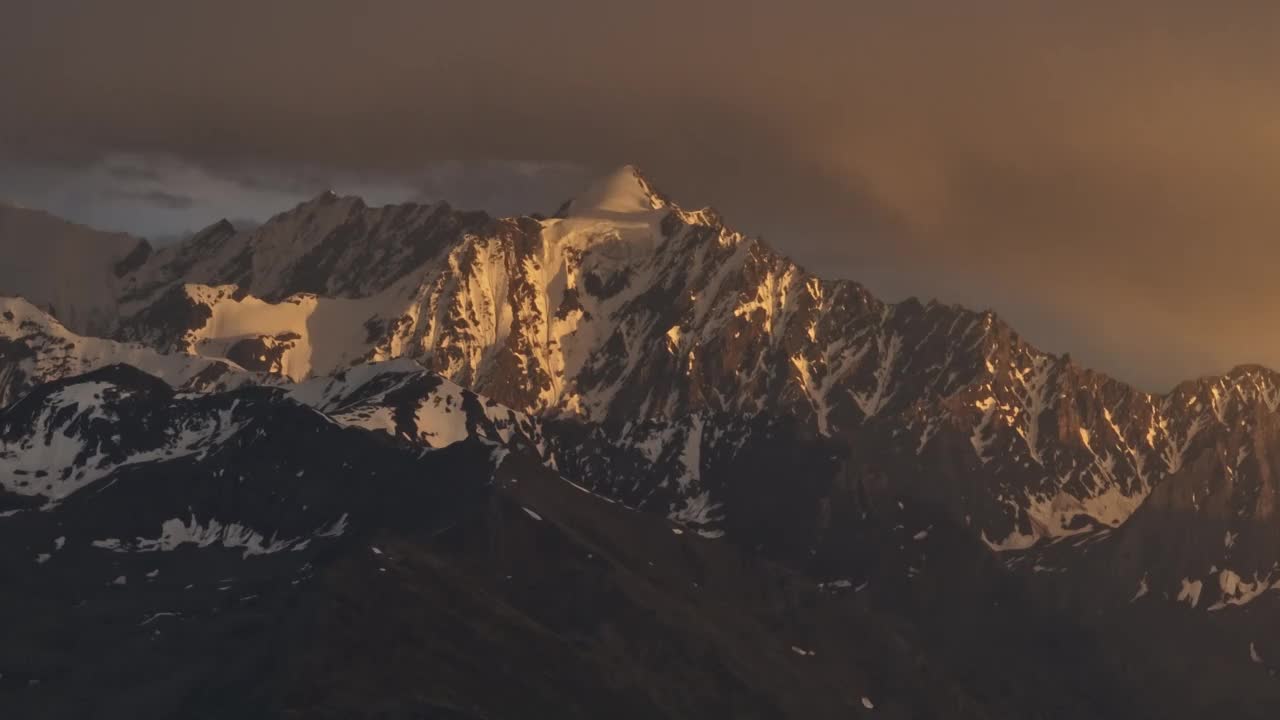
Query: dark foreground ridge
{"x": 624, "y": 460}
{"x": 301, "y": 569}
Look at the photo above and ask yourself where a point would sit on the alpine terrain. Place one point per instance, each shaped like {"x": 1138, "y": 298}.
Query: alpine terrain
{"x": 419, "y": 462}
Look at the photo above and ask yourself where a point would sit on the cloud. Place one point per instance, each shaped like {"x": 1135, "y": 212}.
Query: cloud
{"x": 502, "y": 187}
{"x": 158, "y": 198}
{"x": 1101, "y": 173}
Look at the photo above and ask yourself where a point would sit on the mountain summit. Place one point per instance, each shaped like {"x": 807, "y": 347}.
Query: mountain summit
{"x": 624, "y": 191}
{"x": 662, "y": 361}
{"x": 629, "y": 310}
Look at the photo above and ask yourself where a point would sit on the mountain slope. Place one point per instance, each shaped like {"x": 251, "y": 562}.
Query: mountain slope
{"x": 290, "y": 565}
{"x": 36, "y": 348}
{"x": 1025, "y": 523}
{"x": 633, "y": 317}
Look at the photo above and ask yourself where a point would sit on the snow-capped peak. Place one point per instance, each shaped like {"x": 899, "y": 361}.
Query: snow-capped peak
{"x": 623, "y": 191}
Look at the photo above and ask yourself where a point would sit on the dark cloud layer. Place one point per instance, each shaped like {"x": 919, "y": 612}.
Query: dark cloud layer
{"x": 1099, "y": 172}
{"x": 157, "y": 198}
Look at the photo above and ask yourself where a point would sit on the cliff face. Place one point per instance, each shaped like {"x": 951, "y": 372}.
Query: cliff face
{"x": 666, "y": 334}
{"x": 657, "y": 359}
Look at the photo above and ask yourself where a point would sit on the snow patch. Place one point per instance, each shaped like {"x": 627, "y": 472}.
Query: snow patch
{"x": 1190, "y": 591}
{"x": 175, "y": 533}
{"x": 1143, "y": 589}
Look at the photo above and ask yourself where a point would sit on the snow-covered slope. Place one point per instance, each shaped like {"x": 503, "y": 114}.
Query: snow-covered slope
{"x": 657, "y": 358}
{"x": 36, "y": 348}
{"x": 68, "y": 434}
{"x": 653, "y": 466}
{"x": 299, "y": 337}
{"x": 1207, "y": 534}
{"x": 637, "y": 318}
{"x": 272, "y": 548}
{"x": 398, "y": 397}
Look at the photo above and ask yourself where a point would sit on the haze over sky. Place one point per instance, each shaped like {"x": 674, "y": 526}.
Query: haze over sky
{"x": 1102, "y": 174}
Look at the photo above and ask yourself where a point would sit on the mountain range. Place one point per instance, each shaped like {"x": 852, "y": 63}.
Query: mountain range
{"x": 413, "y": 461}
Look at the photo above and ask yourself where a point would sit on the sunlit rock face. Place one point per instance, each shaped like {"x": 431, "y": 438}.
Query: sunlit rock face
{"x": 668, "y": 334}
{"x": 650, "y": 359}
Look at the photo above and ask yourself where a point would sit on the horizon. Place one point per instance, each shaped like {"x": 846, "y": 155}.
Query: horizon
{"x": 673, "y": 360}
{"x": 1101, "y": 176}
{"x": 249, "y": 224}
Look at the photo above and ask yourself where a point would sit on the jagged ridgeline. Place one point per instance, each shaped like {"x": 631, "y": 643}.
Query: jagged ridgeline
{"x": 653, "y": 359}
